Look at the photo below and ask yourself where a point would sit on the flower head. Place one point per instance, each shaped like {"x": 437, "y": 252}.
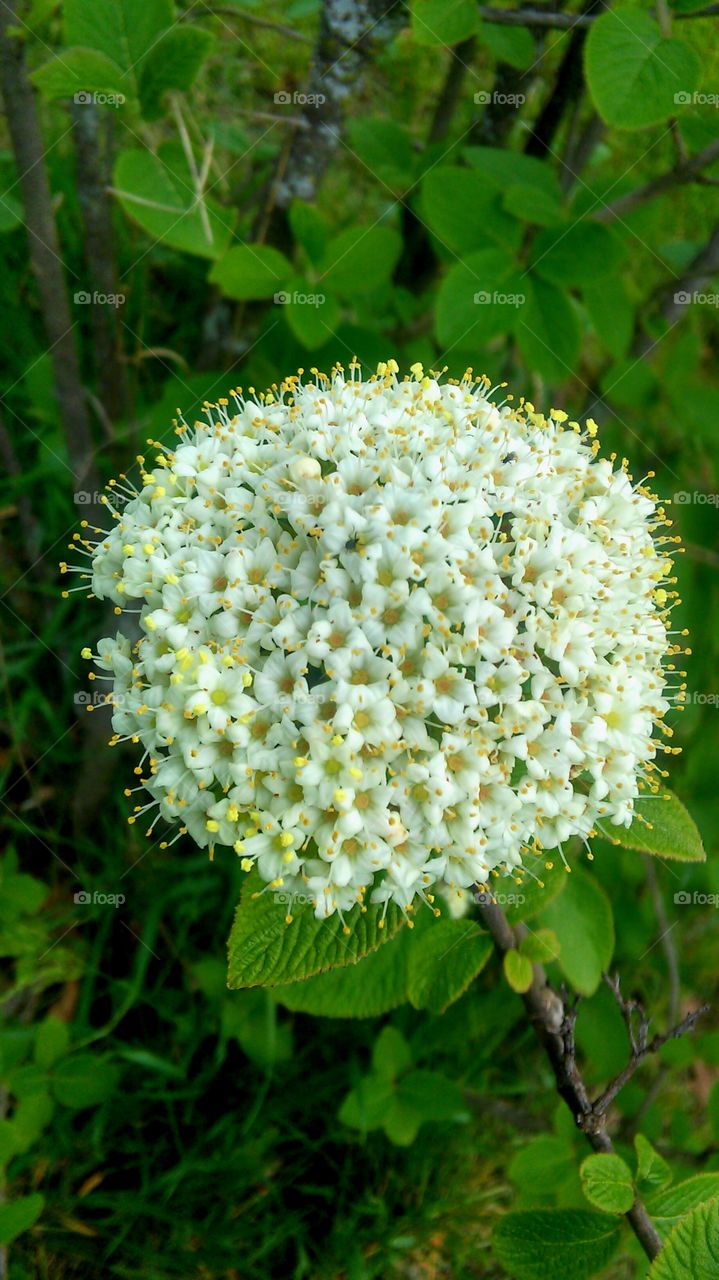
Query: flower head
{"x": 389, "y": 635}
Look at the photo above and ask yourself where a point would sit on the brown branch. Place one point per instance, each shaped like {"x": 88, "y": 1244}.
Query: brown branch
{"x": 446, "y": 104}
{"x": 229, "y": 11}
{"x": 29, "y": 150}
{"x": 564, "y": 21}
{"x": 567, "y": 88}
{"x": 688, "y": 171}
{"x": 671, "y": 301}
{"x": 553, "y": 1019}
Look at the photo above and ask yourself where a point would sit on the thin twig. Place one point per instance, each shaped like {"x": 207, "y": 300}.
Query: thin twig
{"x": 689, "y": 171}
{"x": 564, "y": 21}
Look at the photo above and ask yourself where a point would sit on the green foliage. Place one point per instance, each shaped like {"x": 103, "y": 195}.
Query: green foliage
{"x": 517, "y": 970}
{"x": 158, "y": 192}
{"x": 582, "y": 921}
{"x": 652, "y": 1169}
{"x": 692, "y": 1248}
{"x": 607, "y": 1183}
{"x": 663, "y": 826}
{"x": 633, "y": 72}
{"x": 251, "y": 271}
{"x": 541, "y": 1245}
{"x": 670, "y": 1206}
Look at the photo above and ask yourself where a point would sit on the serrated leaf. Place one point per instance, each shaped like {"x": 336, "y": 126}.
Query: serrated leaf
{"x": 373, "y": 986}
{"x": 692, "y": 1249}
{"x": 652, "y": 1169}
{"x": 546, "y": 1244}
{"x": 359, "y": 260}
{"x": 607, "y": 1183}
{"x": 172, "y": 63}
{"x": 157, "y": 192}
{"x": 250, "y": 271}
{"x": 81, "y": 72}
{"x": 517, "y": 970}
{"x": 443, "y": 960}
{"x": 673, "y": 832}
{"x": 124, "y": 30}
{"x": 668, "y": 1207}
{"x": 540, "y": 946}
{"x": 531, "y": 897}
{"x": 19, "y": 1215}
{"x": 582, "y": 920}
{"x": 444, "y": 22}
{"x": 633, "y": 72}
{"x": 265, "y": 951}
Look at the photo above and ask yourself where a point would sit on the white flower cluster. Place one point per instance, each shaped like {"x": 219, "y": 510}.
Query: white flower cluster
{"x": 391, "y": 634}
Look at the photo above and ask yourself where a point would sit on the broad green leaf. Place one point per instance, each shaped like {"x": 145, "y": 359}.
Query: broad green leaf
{"x": 443, "y": 21}
{"x": 252, "y": 271}
{"x": 172, "y": 63}
{"x": 124, "y": 30}
{"x": 513, "y": 45}
{"x": 668, "y": 1207}
{"x": 607, "y": 1183}
{"x": 359, "y": 260}
{"x": 31, "y": 1115}
{"x": 157, "y": 192}
{"x": 501, "y": 169}
{"x": 51, "y": 1041}
{"x": 83, "y": 1080}
{"x": 265, "y": 951}
{"x": 582, "y": 920}
{"x": 533, "y": 205}
{"x": 11, "y": 215}
{"x": 464, "y": 211}
{"x": 311, "y": 313}
{"x": 366, "y": 1106}
{"x": 548, "y": 330}
{"x": 672, "y": 834}
{"x": 443, "y": 959}
{"x": 611, "y": 313}
{"x": 21, "y": 894}
{"x": 391, "y": 1054}
{"x": 374, "y": 985}
{"x": 309, "y": 229}
{"x": 652, "y": 1169}
{"x": 528, "y": 899}
{"x": 546, "y": 1244}
{"x": 517, "y": 971}
{"x": 478, "y": 298}
{"x": 422, "y": 1097}
{"x": 80, "y": 73}
{"x": 636, "y": 77}
{"x": 385, "y": 149}
{"x": 692, "y": 1249}
{"x": 584, "y": 253}
{"x": 540, "y": 946}
{"x": 251, "y": 1018}
{"x": 19, "y": 1215}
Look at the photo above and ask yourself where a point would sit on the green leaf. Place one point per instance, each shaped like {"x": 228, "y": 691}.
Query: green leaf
{"x": 634, "y": 74}
{"x": 391, "y": 1054}
{"x": 312, "y": 315}
{"x": 465, "y": 211}
{"x": 501, "y": 169}
{"x": 668, "y": 1207}
{"x": 541, "y": 947}
{"x": 478, "y": 298}
{"x": 527, "y": 900}
{"x": 582, "y": 920}
{"x": 443, "y": 22}
{"x": 81, "y": 72}
{"x": 21, "y": 894}
{"x": 252, "y": 271}
{"x": 51, "y": 1041}
{"x": 517, "y": 971}
{"x": 443, "y": 959}
{"x": 157, "y": 192}
{"x": 309, "y": 229}
{"x": 124, "y": 30}
{"x": 367, "y": 1105}
{"x": 584, "y": 253}
{"x": 611, "y": 313}
{"x": 692, "y": 1248}
{"x": 19, "y": 1215}
{"x": 607, "y": 1183}
{"x": 385, "y": 149}
{"x": 373, "y": 986}
{"x": 533, "y": 205}
{"x": 265, "y": 951}
{"x": 83, "y": 1080}
{"x": 31, "y": 1115}
{"x": 548, "y": 332}
{"x": 172, "y": 63}
{"x": 11, "y": 215}
{"x": 672, "y": 834}
{"x": 546, "y": 1244}
{"x": 513, "y": 45}
{"x": 359, "y": 260}
{"x": 652, "y": 1169}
